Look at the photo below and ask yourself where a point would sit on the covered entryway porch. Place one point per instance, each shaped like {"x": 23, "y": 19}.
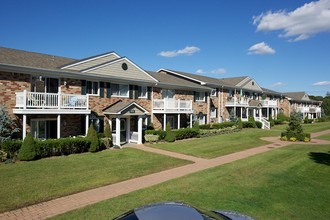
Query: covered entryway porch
{"x": 127, "y": 120}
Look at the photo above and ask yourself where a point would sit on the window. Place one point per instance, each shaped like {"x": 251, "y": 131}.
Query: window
{"x": 201, "y": 118}
{"x": 214, "y": 92}
{"x": 43, "y": 129}
{"x": 167, "y": 94}
{"x": 92, "y": 87}
{"x": 200, "y": 97}
{"x": 142, "y": 92}
{"x": 119, "y": 90}
{"x": 97, "y": 122}
{"x": 213, "y": 112}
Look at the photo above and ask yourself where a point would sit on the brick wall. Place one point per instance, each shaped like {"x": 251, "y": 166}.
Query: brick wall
{"x": 10, "y": 83}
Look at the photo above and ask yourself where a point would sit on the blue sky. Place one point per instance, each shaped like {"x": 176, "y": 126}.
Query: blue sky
{"x": 284, "y": 45}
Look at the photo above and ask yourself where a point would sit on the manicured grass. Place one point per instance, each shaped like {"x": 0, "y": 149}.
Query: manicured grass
{"x": 220, "y": 145}
{"x": 324, "y": 137}
{"x": 215, "y": 146}
{"x": 287, "y": 183}
{"x": 26, "y": 183}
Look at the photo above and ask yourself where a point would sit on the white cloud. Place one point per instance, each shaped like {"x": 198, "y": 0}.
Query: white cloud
{"x": 200, "y": 71}
{"x": 278, "y": 84}
{"x": 261, "y": 48}
{"x": 299, "y": 24}
{"x": 215, "y": 71}
{"x": 188, "y": 50}
{"x": 219, "y": 71}
{"x": 322, "y": 83}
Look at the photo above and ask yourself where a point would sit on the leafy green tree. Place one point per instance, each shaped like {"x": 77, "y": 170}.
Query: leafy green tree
{"x": 240, "y": 123}
{"x": 8, "y": 126}
{"x": 326, "y": 105}
{"x": 28, "y": 150}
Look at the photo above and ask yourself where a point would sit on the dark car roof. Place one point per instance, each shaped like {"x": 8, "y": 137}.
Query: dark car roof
{"x": 165, "y": 211}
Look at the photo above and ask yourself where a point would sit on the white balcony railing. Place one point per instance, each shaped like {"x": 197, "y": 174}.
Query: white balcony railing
{"x": 307, "y": 109}
{"x": 166, "y": 105}
{"x": 234, "y": 101}
{"x": 38, "y": 100}
{"x": 269, "y": 103}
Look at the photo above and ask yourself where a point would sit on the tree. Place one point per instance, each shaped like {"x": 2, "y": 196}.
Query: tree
{"x": 8, "y": 126}
{"x": 170, "y": 136}
{"x": 92, "y": 136}
{"x": 28, "y": 150}
{"x": 326, "y": 105}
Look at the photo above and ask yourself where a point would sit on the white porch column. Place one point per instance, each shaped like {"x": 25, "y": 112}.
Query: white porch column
{"x": 140, "y": 130}
{"x": 118, "y": 131}
{"x": 254, "y": 113}
{"x": 260, "y": 113}
{"x": 24, "y": 127}
{"x": 164, "y": 126}
{"x": 241, "y": 112}
{"x": 87, "y": 124}
{"x": 273, "y": 117}
{"x": 128, "y": 129}
{"x": 191, "y": 121}
{"x": 58, "y": 126}
{"x": 276, "y": 113}
{"x": 178, "y": 121}
{"x": 247, "y": 112}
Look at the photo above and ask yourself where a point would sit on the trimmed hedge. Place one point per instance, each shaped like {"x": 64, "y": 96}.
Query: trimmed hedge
{"x": 213, "y": 132}
{"x": 160, "y": 133}
{"x": 11, "y": 147}
{"x": 63, "y": 146}
{"x": 185, "y": 133}
{"x": 258, "y": 124}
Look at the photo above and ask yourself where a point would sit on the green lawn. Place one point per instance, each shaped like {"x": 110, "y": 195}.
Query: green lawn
{"x": 26, "y": 183}
{"x": 220, "y": 145}
{"x": 216, "y": 146}
{"x": 286, "y": 183}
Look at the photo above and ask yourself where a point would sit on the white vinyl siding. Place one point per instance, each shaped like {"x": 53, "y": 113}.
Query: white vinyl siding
{"x": 93, "y": 62}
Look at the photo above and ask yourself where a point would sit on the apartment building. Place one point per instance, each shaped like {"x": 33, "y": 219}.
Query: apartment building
{"x": 54, "y": 97}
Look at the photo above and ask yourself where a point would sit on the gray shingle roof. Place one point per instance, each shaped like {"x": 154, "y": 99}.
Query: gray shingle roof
{"x": 175, "y": 81}
{"x": 31, "y": 59}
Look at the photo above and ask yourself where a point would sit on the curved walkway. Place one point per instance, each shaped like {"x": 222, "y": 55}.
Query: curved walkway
{"x": 67, "y": 203}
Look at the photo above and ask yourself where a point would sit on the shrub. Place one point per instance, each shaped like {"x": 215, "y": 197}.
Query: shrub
{"x": 151, "y": 137}
{"x": 281, "y": 117}
{"x": 251, "y": 119}
{"x": 212, "y": 132}
{"x": 271, "y": 122}
{"x": 258, "y": 124}
{"x": 196, "y": 125}
{"x": 28, "y": 149}
{"x": 205, "y": 126}
{"x": 239, "y": 123}
{"x": 185, "y": 133}
{"x": 3, "y": 156}
{"x": 295, "y": 131}
{"x": 107, "y": 140}
{"x": 170, "y": 136}
{"x": 150, "y": 126}
{"x": 160, "y": 133}
{"x": 11, "y": 147}
{"x": 92, "y": 136}
{"x": 248, "y": 124}
{"x": 63, "y": 146}
{"x": 279, "y": 121}
{"x": 226, "y": 124}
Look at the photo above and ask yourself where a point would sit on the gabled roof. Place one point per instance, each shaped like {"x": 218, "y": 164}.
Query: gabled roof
{"x": 299, "y": 96}
{"x": 233, "y": 81}
{"x": 271, "y": 92}
{"x": 170, "y": 81}
{"x": 31, "y": 59}
{"x": 120, "y": 107}
{"x": 203, "y": 80}
{"x": 91, "y": 61}
{"x": 115, "y": 68}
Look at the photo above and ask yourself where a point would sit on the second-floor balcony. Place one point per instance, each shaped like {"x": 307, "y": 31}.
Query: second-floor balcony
{"x": 172, "y": 106}
{"x": 306, "y": 109}
{"x": 234, "y": 101}
{"x": 50, "y": 102}
{"x": 269, "y": 103}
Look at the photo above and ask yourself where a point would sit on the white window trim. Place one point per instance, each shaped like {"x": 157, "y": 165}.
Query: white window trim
{"x": 122, "y": 96}
{"x": 215, "y": 92}
{"x": 146, "y": 92}
{"x": 98, "y": 88}
{"x": 200, "y": 100}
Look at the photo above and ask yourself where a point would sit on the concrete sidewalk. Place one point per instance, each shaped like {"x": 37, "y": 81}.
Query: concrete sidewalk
{"x": 67, "y": 203}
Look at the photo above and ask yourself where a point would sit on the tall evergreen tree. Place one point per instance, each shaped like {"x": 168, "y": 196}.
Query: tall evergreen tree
{"x": 7, "y": 125}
